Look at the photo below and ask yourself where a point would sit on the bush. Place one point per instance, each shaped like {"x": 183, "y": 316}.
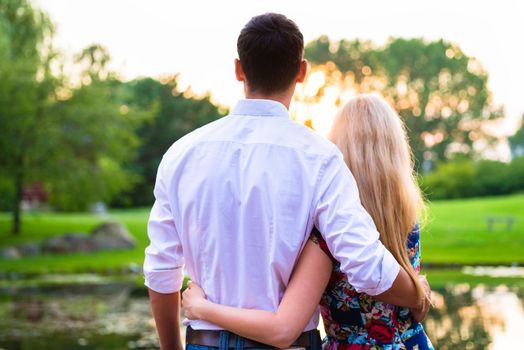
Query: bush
{"x": 516, "y": 175}
{"x": 492, "y": 178}
{"x": 450, "y": 180}
{"x": 466, "y": 178}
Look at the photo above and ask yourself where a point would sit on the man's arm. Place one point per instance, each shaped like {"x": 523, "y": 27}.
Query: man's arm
{"x": 166, "y": 311}
{"x": 163, "y": 267}
{"x": 353, "y": 239}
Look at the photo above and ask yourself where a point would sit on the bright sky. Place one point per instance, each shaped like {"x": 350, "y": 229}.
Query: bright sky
{"x": 198, "y": 38}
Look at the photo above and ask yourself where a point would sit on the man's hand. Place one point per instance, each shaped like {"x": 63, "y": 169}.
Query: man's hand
{"x": 194, "y": 301}
{"x": 420, "y": 313}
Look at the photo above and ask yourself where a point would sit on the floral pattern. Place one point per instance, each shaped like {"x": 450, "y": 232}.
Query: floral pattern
{"x": 355, "y": 320}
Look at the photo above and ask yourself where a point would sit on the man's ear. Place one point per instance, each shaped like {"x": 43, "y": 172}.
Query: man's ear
{"x": 239, "y": 72}
{"x": 302, "y": 72}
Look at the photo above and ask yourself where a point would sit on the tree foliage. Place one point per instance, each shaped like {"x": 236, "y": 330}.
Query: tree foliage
{"x": 92, "y": 138}
{"x": 439, "y": 91}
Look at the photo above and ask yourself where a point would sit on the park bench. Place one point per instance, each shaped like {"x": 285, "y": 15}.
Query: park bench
{"x": 492, "y": 220}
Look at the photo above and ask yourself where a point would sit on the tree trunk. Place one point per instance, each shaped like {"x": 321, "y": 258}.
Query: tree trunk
{"x": 17, "y": 203}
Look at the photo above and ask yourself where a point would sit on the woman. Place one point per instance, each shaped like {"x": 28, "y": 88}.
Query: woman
{"x": 373, "y": 141}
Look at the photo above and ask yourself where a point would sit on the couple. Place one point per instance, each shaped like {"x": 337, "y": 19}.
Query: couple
{"x": 266, "y": 217}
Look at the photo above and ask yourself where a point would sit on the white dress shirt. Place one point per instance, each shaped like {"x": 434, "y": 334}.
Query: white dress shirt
{"x": 235, "y": 204}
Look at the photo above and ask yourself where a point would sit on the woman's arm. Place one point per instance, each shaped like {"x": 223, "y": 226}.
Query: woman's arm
{"x": 280, "y": 328}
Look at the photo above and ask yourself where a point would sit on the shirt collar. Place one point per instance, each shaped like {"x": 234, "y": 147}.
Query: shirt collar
{"x": 260, "y": 107}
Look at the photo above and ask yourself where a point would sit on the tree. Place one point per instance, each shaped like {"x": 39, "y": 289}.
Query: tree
{"x": 438, "y": 90}
{"x": 516, "y": 142}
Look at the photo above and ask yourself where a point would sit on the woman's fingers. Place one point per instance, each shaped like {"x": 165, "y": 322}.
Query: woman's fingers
{"x": 193, "y": 299}
{"x": 427, "y": 287}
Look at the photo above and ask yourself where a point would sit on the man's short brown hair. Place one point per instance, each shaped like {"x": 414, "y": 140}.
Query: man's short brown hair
{"x": 270, "y": 49}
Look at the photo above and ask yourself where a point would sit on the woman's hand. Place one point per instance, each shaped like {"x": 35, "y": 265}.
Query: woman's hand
{"x": 194, "y": 301}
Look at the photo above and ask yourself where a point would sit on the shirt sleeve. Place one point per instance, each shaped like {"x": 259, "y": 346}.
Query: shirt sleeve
{"x": 349, "y": 231}
{"x": 164, "y": 261}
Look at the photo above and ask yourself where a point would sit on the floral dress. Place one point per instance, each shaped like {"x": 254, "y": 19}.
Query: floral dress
{"x": 355, "y": 320}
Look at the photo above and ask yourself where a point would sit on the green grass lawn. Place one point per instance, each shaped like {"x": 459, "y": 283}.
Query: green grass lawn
{"x": 456, "y": 232}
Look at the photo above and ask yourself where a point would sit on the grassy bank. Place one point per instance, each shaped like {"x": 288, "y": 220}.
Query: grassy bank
{"x": 456, "y": 233}
{"x": 439, "y": 278}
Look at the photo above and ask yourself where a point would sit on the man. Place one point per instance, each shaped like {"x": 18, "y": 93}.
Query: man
{"x": 237, "y": 199}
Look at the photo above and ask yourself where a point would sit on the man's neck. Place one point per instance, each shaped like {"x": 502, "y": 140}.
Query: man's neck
{"x": 284, "y": 97}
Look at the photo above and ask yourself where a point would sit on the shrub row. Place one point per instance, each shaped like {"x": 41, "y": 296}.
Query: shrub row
{"x": 467, "y": 178}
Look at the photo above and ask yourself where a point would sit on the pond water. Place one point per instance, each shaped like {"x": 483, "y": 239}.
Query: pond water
{"x": 107, "y": 314}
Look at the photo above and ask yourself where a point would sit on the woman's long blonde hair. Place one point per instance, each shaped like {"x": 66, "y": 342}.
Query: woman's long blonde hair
{"x": 373, "y": 140}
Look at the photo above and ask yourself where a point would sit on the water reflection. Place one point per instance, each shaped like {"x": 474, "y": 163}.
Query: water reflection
{"x": 117, "y": 316}
{"x": 106, "y": 316}
{"x": 476, "y": 318}
{"x": 456, "y": 320}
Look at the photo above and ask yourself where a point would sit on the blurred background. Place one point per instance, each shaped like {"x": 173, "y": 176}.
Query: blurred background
{"x": 92, "y": 93}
